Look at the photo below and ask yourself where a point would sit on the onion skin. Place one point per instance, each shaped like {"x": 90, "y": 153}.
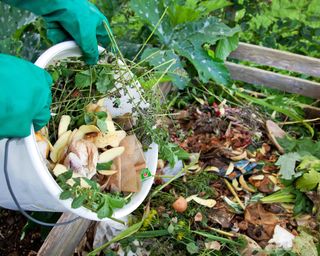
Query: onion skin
{"x": 180, "y": 205}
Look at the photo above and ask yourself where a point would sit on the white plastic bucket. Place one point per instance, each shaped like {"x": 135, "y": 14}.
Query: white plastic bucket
{"x": 31, "y": 181}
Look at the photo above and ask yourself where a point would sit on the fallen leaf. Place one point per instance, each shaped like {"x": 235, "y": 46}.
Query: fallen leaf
{"x": 221, "y": 215}
{"x": 262, "y": 222}
{"x": 287, "y": 163}
{"x": 252, "y": 247}
{"x": 274, "y": 132}
{"x": 304, "y": 245}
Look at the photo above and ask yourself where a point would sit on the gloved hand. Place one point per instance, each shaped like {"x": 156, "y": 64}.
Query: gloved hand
{"x": 78, "y": 19}
{"x": 25, "y": 97}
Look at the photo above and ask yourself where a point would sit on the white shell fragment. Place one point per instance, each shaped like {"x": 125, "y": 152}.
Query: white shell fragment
{"x": 282, "y": 238}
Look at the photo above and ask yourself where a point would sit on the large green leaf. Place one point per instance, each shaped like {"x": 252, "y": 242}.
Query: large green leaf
{"x": 156, "y": 58}
{"x": 188, "y": 41}
{"x": 226, "y": 46}
{"x": 207, "y": 30}
{"x": 188, "y": 38}
{"x": 207, "y": 67}
{"x": 151, "y": 12}
{"x": 211, "y": 6}
{"x": 308, "y": 181}
{"x": 191, "y": 10}
{"x": 180, "y": 14}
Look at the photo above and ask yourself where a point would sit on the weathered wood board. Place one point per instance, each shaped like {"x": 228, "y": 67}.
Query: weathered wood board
{"x": 62, "y": 240}
{"x": 279, "y": 59}
{"x": 273, "y": 80}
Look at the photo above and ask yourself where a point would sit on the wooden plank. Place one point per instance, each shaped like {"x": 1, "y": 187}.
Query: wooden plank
{"x": 62, "y": 240}
{"x": 279, "y": 59}
{"x": 273, "y": 80}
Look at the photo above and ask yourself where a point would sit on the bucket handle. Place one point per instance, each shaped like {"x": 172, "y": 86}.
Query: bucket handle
{"x": 23, "y": 212}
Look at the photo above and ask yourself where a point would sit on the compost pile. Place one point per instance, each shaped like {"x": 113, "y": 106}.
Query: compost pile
{"x": 232, "y": 195}
{"x": 236, "y": 144}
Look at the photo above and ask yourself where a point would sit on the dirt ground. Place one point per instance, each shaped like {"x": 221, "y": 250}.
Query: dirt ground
{"x": 11, "y": 225}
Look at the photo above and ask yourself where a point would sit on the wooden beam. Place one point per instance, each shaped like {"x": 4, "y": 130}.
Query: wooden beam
{"x": 273, "y": 80}
{"x": 279, "y": 59}
{"x": 62, "y": 240}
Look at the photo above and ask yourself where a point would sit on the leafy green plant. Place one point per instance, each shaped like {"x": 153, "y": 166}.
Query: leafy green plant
{"x": 92, "y": 198}
{"x": 185, "y": 36}
{"x": 280, "y": 24}
{"x": 306, "y": 152}
{"x": 75, "y": 86}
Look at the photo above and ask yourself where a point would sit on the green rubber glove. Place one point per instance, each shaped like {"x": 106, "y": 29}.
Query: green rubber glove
{"x": 25, "y": 97}
{"x": 77, "y": 19}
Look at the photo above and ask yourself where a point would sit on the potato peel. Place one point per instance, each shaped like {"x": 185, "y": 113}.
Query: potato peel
{"x": 110, "y": 154}
{"x": 230, "y": 168}
{"x": 235, "y": 185}
{"x": 205, "y": 202}
{"x": 108, "y": 172}
{"x": 110, "y": 126}
{"x": 59, "y": 169}
{"x": 60, "y": 146}
{"x": 243, "y": 155}
{"x": 244, "y": 185}
{"x": 63, "y": 124}
{"x": 112, "y": 139}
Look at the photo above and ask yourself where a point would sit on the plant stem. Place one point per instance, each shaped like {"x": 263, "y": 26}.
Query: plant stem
{"x": 153, "y": 31}
{"x": 221, "y": 232}
{"x": 234, "y": 194}
{"x": 302, "y": 121}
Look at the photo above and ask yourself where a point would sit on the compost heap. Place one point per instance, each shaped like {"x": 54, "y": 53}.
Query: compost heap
{"x": 239, "y": 146}
{"x": 228, "y": 193}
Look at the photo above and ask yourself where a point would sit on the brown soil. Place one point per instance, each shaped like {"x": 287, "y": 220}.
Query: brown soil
{"x": 11, "y": 225}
